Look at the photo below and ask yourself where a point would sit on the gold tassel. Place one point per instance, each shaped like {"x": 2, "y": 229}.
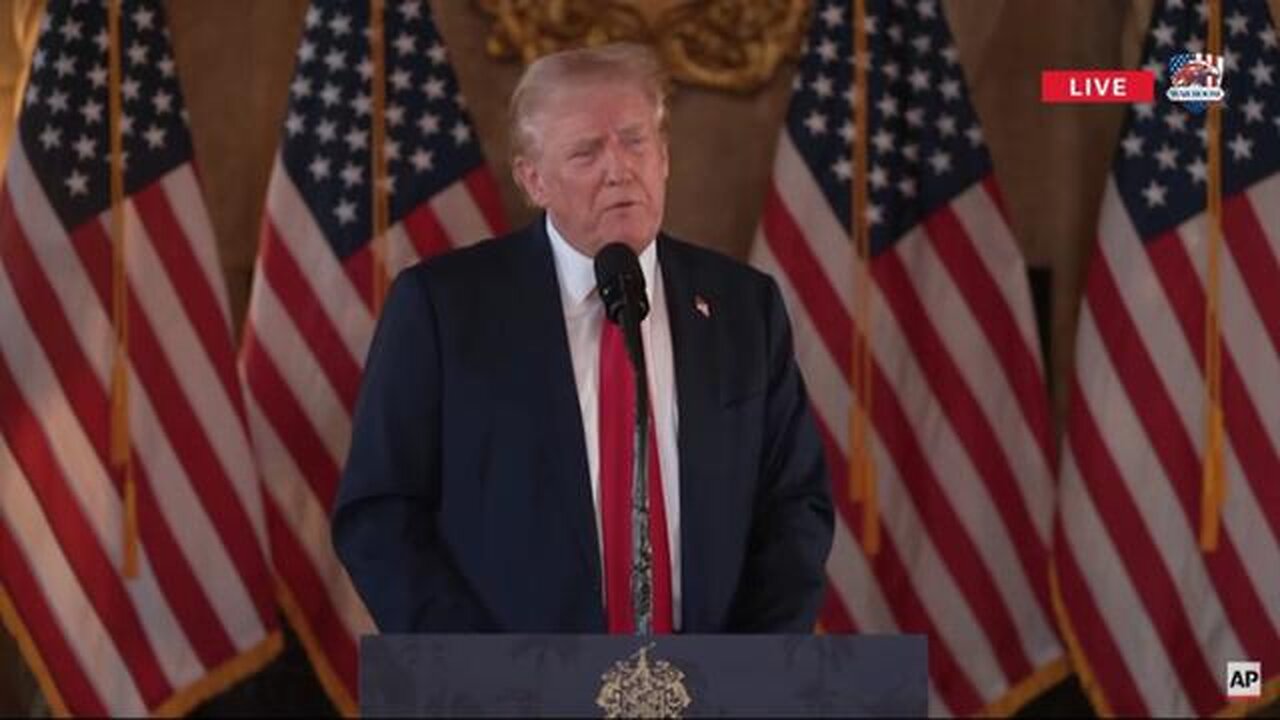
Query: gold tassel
{"x": 1213, "y": 490}
{"x": 862, "y": 472}
{"x": 378, "y": 167}
{"x": 121, "y": 442}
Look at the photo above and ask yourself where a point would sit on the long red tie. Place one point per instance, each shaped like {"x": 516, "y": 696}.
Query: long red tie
{"x": 616, "y": 413}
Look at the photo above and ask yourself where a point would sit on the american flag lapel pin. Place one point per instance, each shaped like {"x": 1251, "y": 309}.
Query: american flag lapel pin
{"x": 702, "y": 306}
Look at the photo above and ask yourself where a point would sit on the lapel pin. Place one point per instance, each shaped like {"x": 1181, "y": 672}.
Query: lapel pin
{"x": 700, "y": 304}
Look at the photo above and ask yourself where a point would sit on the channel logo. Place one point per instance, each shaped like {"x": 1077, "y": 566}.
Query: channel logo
{"x": 1195, "y": 79}
{"x": 1244, "y": 679}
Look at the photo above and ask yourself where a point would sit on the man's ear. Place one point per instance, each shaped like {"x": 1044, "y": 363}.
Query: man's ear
{"x": 528, "y": 179}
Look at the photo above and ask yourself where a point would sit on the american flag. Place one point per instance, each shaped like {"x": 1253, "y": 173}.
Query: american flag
{"x": 961, "y": 433}
{"x": 200, "y": 613}
{"x": 1153, "y": 619}
{"x": 311, "y": 314}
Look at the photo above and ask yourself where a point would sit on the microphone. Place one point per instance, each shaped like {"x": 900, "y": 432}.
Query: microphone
{"x": 620, "y": 283}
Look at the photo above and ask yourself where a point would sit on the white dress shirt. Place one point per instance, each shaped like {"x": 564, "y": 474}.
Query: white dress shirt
{"x": 583, "y": 318}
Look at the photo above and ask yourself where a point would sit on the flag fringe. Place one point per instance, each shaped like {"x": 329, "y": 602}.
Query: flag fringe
{"x": 31, "y": 654}
{"x": 1075, "y": 651}
{"x": 1029, "y": 688}
{"x": 338, "y": 693}
{"x": 181, "y": 702}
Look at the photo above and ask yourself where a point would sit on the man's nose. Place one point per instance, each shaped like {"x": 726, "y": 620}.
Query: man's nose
{"x": 617, "y": 164}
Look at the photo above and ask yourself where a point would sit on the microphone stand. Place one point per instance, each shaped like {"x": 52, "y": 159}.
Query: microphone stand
{"x": 641, "y": 549}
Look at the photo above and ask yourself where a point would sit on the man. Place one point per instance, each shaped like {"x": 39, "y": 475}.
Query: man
{"x": 489, "y": 481}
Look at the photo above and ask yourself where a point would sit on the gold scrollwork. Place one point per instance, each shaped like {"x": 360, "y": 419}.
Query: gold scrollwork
{"x": 723, "y": 44}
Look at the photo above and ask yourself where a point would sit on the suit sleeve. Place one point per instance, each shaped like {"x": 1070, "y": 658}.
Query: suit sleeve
{"x": 385, "y": 518}
{"x": 784, "y": 577}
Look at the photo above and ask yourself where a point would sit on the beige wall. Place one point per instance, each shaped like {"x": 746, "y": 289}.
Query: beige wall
{"x": 235, "y": 59}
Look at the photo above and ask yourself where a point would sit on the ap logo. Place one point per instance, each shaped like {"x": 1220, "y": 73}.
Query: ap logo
{"x": 1244, "y": 679}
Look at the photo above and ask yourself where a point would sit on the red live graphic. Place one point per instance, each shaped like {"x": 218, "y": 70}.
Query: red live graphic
{"x": 1097, "y": 86}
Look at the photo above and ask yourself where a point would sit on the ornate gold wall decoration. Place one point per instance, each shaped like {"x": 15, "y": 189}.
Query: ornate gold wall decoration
{"x": 724, "y": 44}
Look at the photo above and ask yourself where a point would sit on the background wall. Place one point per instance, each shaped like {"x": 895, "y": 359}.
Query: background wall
{"x": 235, "y": 60}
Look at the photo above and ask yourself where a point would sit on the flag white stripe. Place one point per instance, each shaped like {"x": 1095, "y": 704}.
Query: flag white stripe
{"x": 457, "y": 213}
{"x": 932, "y": 581}
{"x": 853, "y": 581}
{"x": 187, "y": 203}
{"x": 202, "y": 388}
{"x": 952, "y": 464}
{"x": 303, "y": 517}
{"x": 1262, "y": 197}
{"x": 88, "y": 482}
{"x": 299, "y": 234}
{"x": 287, "y": 349}
{"x": 823, "y": 233}
{"x": 1002, "y": 255}
{"x": 1177, "y": 368}
{"x": 57, "y": 584}
{"x": 196, "y": 537}
{"x": 1145, "y": 480}
{"x": 827, "y": 387}
{"x": 1108, "y": 583}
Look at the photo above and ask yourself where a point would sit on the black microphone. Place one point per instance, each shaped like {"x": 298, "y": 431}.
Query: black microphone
{"x": 620, "y": 283}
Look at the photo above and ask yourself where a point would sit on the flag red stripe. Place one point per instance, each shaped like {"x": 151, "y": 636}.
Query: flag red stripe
{"x": 945, "y": 672}
{"x": 948, "y": 535}
{"x": 282, "y": 273}
{"x": 64, "y": 667}
{"x": 1247, "y": 240}
{"x": 986, "y": 302}
{"x": 299, "y": 437}
{"x": 1176, "y": 273}
{"x": 1244, "y": 609}
{"x": 358, "y": 267}
{"x": 908, "y": 611}
{"x": 182, "y": 428}
{"x": 93, "y": 568}
{"x": 1091, "y": 630}
{"x": 484, "y": 192}
{"x": 88, "y": 400}
{"x": 299, "y": 574}
{"x": 955, "y": 250}
{"x": 425, "y": 232}
{"x": 974, "y": 432}
{"x": 791, "y": 249}
{"x": 1123, "y": 520}
{"x": 199, "y": 299}
{"x": 835, "y": 614}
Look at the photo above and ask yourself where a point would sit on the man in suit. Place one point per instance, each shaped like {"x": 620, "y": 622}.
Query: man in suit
{"x": 488, "y": 485}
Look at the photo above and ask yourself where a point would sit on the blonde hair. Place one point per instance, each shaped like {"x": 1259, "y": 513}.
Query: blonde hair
{"x": 616, "y": 63}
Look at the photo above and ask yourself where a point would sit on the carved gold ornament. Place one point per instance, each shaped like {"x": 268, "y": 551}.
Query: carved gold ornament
{"x": 722, "y": 44}
{"x": 640, "y": 689}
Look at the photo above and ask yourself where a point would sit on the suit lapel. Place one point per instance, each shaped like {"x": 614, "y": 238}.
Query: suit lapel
{"x": 539, "y": 330}
{"x": 696, "y": 359}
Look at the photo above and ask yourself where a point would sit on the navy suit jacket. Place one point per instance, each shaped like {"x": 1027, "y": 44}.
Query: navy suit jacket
{"x": 465, "y": 505}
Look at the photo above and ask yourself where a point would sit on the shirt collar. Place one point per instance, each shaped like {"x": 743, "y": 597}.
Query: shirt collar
{"x": 577, "y": 273}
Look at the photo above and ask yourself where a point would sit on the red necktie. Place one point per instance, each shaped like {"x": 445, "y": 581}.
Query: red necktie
{"x": 616, "y": 418}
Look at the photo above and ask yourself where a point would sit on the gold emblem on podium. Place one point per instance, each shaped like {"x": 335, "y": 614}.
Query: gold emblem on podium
{"x": 642, "y": 689}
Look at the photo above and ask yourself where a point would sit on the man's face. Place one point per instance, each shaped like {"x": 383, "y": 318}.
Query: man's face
{"x": 598, "y": 166}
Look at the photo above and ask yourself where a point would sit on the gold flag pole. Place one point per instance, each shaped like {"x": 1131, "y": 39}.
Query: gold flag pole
{"x": 121, "y": 450}
{"x": 378, "y": 166}
{"x": 1214, "y": 485}
{"x": 862, "y": 476}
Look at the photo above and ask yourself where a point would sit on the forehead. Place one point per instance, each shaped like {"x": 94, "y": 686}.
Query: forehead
{"x": 593, "y": 108}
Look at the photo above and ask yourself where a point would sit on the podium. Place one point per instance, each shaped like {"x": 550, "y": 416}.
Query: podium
{"x": 627, "y": 676}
